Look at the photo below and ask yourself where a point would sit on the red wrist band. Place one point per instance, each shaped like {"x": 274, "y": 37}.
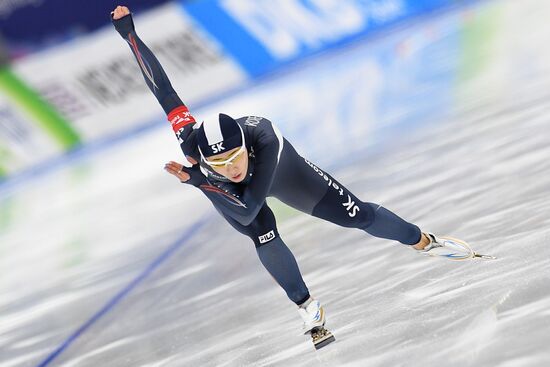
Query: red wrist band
{"x": 179, "y": 117}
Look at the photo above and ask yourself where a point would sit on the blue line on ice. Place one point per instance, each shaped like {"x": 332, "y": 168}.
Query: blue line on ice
{"x": 182, "y": 240}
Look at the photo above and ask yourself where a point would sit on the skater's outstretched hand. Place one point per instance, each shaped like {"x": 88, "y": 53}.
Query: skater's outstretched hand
{"x": 122, "y": 20}
{"x": 189, "y": 175}
{"x": 119, "y": 12}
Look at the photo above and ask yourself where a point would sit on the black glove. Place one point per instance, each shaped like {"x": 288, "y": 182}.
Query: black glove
{"x": 124, "y": 25}
{"x": 197, "y": 178}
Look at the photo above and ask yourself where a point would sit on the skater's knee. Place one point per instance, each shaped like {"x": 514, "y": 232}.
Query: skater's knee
{"x": 263, "y": 229}
{"x": 370, "y": 213}
{"x": 373, "y": 212}
{"x": 261, "y": 239}
{"x": 386, "y": 224}
{"x": 260, "y": 233}
{"x": 264, "y": 234}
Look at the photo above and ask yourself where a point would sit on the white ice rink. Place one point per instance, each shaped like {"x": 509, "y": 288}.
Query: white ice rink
{"x": 106, "y": 260}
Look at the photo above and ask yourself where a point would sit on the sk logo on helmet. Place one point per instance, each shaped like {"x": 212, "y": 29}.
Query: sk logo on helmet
{"x": 218, "y": 147}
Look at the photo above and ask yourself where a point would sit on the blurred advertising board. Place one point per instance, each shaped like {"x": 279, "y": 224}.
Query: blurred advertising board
{"x": 96, "y": 84}
{"x": 31, "y": 131}
{"x": 263, "y": 34}
{"x": 208, "y": 47}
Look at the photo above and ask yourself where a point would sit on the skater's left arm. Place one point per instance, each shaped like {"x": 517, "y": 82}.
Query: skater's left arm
{"x": 156, "y": 79}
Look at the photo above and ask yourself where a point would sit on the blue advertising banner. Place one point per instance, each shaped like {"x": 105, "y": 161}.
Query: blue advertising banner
{"x": 263, "y": 34}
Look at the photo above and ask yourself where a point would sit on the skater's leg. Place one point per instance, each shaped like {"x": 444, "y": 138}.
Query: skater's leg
{"x": 302, "y": 185}
{"x": 274, "y": 254}
{"x": 372, "y": 218}
{"x": 281, "y": 264}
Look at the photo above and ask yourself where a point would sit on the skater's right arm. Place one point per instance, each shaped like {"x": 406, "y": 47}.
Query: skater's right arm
{"x": 156, "y": 79}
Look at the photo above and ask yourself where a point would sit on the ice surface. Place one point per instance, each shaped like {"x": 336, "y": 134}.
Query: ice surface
{"x": 71, "y": 239}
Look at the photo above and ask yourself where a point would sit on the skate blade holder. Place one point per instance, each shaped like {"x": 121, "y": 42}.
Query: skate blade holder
{"x": 321, "y": 337}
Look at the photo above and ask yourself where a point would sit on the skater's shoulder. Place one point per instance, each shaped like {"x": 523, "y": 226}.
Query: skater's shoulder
{"x": 253, "y": 121}
{"x": 256, "y": 126}
{"x": 259, "y": 131}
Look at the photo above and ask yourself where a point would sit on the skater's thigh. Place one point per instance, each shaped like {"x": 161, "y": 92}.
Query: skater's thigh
{"x": 306, "y": 187}
{"x": 297, "y": 183}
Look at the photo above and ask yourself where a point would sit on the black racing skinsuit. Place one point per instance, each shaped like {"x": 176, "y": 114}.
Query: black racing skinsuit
{"x": 275, "y": 169}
